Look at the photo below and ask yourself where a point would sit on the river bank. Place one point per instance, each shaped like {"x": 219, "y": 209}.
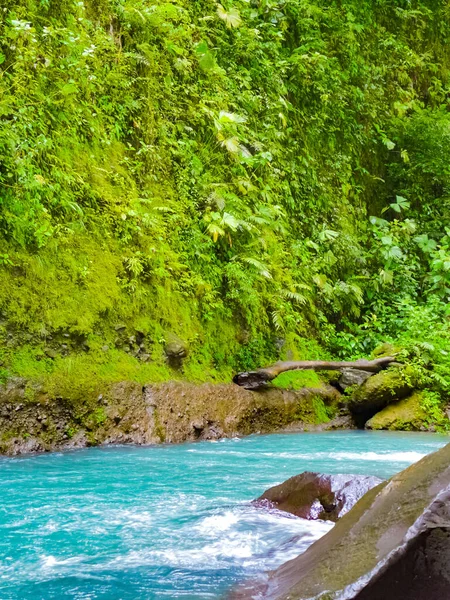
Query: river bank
{"x": 31, "y": 420}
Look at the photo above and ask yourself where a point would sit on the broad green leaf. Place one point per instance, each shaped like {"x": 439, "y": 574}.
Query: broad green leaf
{"x": 231, "y": 17}
{"x": 228, "y": 117}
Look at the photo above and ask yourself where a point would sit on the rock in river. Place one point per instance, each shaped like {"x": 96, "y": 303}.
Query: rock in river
{"x": 380, "y": 390}
{"x": 394, "y": 544}
{"x": 315, "y": 496}
{"x": 405, "y": 415}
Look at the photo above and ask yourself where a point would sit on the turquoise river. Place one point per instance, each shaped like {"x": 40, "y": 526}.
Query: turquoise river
{"x": 169, "y": 522}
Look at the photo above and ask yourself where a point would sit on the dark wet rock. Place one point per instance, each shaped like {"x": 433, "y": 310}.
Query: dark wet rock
{"x": 394, "y": 544}
{"x": 380, "y": 390}
{"x": 351, "y": 377}
{"x": 315, "y": 496}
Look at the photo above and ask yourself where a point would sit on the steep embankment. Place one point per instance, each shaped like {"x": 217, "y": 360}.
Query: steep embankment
{"x": 32, "y": 421}
{"x": 208, "y": 171}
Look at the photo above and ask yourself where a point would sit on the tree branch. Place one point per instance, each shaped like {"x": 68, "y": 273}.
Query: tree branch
{"x": 253, "y": 380}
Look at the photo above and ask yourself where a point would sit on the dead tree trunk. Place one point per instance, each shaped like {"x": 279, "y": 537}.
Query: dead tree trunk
{"x": 257, "y": 379}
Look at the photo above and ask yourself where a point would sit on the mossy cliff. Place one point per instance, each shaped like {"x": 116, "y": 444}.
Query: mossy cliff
{"x": 260, "y": 180}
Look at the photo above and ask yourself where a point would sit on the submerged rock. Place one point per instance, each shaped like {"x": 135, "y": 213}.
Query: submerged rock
{"x": 405, "y": 415}
{"x": 380, "y": 390}
{"x": 316, "y": 496}
{"x": 394, "y": 544}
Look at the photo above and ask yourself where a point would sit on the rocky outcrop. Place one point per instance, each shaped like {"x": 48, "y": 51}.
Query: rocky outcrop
{"x": 32, "y": 420}
{"x": 405, "y": 415}
{"x": 380, "y": 390}
{"x": 316, "y": 496}
{"x": 394, "y": 544}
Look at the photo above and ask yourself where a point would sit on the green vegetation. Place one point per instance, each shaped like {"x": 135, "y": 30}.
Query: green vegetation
{"x": 405, "y": 415}
{"x": 263, "y": 178}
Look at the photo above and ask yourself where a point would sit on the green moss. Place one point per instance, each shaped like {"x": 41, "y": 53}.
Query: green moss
{"x": 295, "y": 380}
{"x": 147, "y": 181}
{"x": 95, "y": 419}
{"x": 386, "y": 349}
{"x": 405, "y": 415}
{"x": 381, "y": 389}
{"x": 158, "y": 428}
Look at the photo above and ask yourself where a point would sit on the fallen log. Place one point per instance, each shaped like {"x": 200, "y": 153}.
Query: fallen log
{"x": 253, "y": 380}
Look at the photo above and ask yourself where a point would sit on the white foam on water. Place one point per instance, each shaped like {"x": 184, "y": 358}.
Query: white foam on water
{"x": 401, "y": 457}
{"x": 49, "y": 561}
{"x": 217, "y": 523}
{"x": 405, "y": 457}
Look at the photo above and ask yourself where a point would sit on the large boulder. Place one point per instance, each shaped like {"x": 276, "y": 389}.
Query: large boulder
{"x": 316, "y": 496}
{"x": 380, "y": 390}
{"x": 405, "y": 415}
{"x": 393, "y": 545}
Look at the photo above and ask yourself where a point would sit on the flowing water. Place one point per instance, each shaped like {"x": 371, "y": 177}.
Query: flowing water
{"x": 169, "y": 522}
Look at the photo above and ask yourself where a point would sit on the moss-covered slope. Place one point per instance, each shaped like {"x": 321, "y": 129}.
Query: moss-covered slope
{"x": 208, "y": 170}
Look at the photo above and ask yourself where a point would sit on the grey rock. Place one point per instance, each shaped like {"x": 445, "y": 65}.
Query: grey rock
{"x": 176, "y": 347}
{"x": 176, "y": 350}
{"x": 29, "y": 445}
{"x": 351, "y": 377}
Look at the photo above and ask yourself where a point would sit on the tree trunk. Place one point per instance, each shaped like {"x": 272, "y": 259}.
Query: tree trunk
{"x": 257, "y": 379}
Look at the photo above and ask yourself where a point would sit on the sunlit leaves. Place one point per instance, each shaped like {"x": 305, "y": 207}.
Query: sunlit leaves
{"x": 258, "y": 265}
{"x": 231, "y": 144}
{"x": 227, "y": 117}
{"x": 328, "y": 235}
{"x": 231, "y": 17}
{"x": 206, "y": 59}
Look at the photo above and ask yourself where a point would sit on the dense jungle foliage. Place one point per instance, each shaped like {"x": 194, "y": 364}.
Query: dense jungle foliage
{"x": 263, "y": 178}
